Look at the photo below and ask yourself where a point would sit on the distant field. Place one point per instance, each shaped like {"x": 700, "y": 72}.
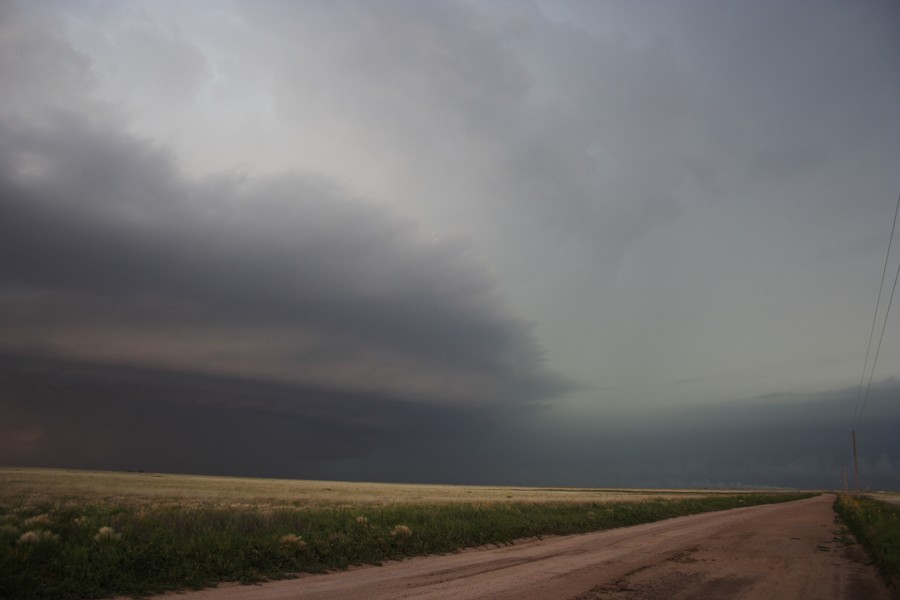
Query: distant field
{"x": 63, "y": 484}
{"x": 888, "y": 497}
{"x": 84, "y": 534}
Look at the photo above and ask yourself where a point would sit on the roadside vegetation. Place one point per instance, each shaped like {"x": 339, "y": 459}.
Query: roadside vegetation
{"x": 876, "y": 525}
{"x": 53, "y": 546}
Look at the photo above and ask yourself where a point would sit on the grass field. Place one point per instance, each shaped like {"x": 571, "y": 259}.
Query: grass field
{"x": 876, "y": 525}
{"x": 79, "y": 534}
{"x": 55, "y": 485}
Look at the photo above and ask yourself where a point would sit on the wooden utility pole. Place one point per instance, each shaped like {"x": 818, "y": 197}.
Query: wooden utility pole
{"x": 855, "y": 461}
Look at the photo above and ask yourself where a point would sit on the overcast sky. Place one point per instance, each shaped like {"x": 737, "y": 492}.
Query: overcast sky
{"x": 540, "y": 243}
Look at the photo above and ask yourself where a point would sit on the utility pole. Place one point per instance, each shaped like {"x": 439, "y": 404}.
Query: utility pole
{"x": 855, "y": 461}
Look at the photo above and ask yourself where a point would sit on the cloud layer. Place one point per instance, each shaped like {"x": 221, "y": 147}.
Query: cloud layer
{"x": 109, "y": 254}
{"x": 433, "y": 239}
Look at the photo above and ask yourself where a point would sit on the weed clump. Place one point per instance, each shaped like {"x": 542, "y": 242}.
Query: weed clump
{"x": 42, "y": 520}
{"x": 107, "y": 535}
{"x": 39, "y": 536}
{"x": 292, "y": 542}
{"x": 401, "y": 531}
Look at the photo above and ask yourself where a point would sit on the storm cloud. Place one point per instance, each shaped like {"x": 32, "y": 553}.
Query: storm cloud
{"x": 107, "y": 253}
{"x": 584, "y": 244}
{"x": 276, "y": 312}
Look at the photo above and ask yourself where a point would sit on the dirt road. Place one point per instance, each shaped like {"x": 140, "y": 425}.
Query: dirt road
{"x": 777, "y": 551}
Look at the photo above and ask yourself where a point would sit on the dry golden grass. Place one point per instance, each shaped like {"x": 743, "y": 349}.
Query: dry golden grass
{"x": 37, "y": 486}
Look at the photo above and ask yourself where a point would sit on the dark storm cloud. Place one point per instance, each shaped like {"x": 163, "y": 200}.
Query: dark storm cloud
{"x": 218, "y": 324}
{"x": 798, "y": 441}
{"x": 101, "y": 231}
{"x": 88, "y": 415}
{"x": 156, "y": 322}
{"x": 784, "y": 439}
{"x": 74, "y": 414}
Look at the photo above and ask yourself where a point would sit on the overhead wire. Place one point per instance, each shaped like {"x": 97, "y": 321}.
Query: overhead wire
{"x": 860, "y": 401}
{"x": 887, "y": 313}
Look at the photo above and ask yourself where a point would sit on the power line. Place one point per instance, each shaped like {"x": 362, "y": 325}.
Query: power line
{"x": 861, "y": 405}
{"x": 860, "y": 400}
{"x": 878, "y": 349}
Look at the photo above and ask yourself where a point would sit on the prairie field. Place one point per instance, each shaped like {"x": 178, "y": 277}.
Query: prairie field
{"x": 64, "y": 485}
{"x": 88, "y": 534}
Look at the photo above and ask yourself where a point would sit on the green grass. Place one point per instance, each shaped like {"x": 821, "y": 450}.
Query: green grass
{"x": 167, "y": 546}
{"x": 876, "y": 525}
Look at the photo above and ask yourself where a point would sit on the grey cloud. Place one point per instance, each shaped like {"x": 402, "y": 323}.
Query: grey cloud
{"x": 107, "y": 222}
{"x": 88, "y": 415}
{"x": 149, "y": 316}
{"x": 775, "y": 445}
{"x": 784, "y": 82}
{"x": 101, "y": 416}
{"x": 173, "y": 68}
{"x": 37, "y": 66}
{"x": 793, "y": 440}
{"x": 598, "y": 165}
{"x": 687, "y": 193}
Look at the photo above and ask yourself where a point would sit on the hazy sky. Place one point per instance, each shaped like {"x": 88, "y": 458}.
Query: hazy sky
{"x": 546, "y": 243}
